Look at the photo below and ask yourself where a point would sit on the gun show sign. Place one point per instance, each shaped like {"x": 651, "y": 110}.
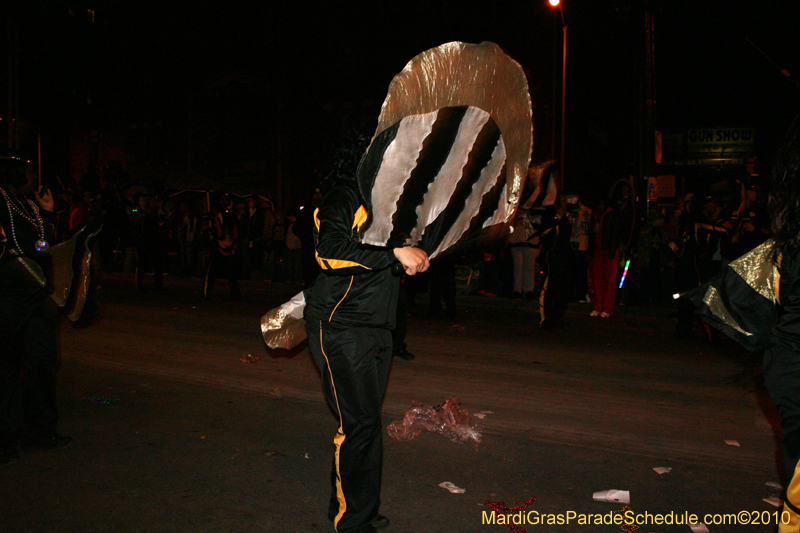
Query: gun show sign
{"x": 719, "y": 143}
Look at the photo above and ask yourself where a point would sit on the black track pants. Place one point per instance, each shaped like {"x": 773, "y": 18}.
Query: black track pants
{"x": 354, "y": 363}
{"x": 28, "y": 363}
{"x": 782, "y": 378}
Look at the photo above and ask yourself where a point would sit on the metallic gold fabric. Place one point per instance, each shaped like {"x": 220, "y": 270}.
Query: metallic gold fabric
{"x": 70, "y": 276}
{"x": 80, "y": 286}
{"x": 62, "y": 275}
{"x": 282, "y": 330}
{"x": 478, "y": 75}
{"x": 758, "y": 269}
{"x": 32, "y": 268}
{"x": 741, "y": 300}
{"x": 284, "y": 327}
{"x": 715, "y": 304}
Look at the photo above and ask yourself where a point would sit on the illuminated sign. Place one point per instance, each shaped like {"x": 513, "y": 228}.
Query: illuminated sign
{"x": 720, "y": 141}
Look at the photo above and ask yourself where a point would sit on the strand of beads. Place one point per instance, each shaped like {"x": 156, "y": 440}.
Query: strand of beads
{"x": 34, "y": 218}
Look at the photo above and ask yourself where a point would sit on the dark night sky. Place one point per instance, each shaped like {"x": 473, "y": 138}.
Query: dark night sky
{"x": 152, "y": 61}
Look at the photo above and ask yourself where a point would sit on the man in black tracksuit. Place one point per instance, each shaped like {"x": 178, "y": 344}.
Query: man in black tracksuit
{"x": 556, "y": 255}
{"x": 28, "y": 317}
{"x": 350, "y": 312}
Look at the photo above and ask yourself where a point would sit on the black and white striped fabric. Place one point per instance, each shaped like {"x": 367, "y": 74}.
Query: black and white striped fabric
{"x": 435, "y": 180}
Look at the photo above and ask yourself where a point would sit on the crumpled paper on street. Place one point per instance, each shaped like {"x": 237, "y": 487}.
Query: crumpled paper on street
{"x": 250, "y": 358}
{"x": 446, "y": 419}
{"x": 452, "y": 487}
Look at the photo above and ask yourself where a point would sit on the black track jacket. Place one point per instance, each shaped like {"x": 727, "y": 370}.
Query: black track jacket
{"x": 355, "y": 286}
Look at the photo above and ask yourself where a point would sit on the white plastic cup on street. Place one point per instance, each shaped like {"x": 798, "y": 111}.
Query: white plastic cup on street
{"x": 613, "y": 496}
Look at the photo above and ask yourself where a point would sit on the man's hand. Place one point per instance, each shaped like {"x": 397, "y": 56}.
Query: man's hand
{"x": 413, "y": 259}
{"x": 45, "y": 199}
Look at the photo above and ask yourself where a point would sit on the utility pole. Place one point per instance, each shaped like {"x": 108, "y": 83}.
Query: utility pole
{"x": 557, "y": 3}
{"x": 13, "y": 84}
{"x": 647, "y": 133}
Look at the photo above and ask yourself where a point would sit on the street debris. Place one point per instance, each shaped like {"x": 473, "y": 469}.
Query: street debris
{"x": 452, "y": 488}
{"x": 663, "y": 469}
{"x": 774, "y": 493}
{"x": 100, "y": 400}
{"x": 446, "y": 419}
{"x": 732, "y": 442}
{"x": 483, "y": 414}
{"x": 613, "y": 496}
{"x": 249, "y": 358}
{"x": 699, "y": 528}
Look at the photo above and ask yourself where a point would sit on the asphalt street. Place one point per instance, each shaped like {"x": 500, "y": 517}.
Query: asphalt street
{"x": 175, "y": 432}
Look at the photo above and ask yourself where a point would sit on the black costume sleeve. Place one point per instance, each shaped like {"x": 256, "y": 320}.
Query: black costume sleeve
{"x": 787, "y": 332}
{"x": 338, "y": 250}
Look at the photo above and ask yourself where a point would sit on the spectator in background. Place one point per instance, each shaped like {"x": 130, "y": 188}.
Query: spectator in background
{"x": 524, "y": 243}
{"x": 442, "y": 275}
{"x": 147, "y": 239}
{"x": 749, "y": 225}
{"x": 223, "y": 260}
{"x": 294, "y": 252}
{"x": 277, "y": 250}
{"x": 652, "y": 251}
{"x": 254, "y": 234}
{"x": 555, "y": 256}
{"x": 699, "y": 257}
{"x": 674, "y": 222}
{"x": 621, "y": 199}
{"x": 189, "y": 239}
{"x": 242, "y": 248}
{"x": 268, "y": 210}
{"x": 304, "y": 229}
{"x": 399, "y": 345}
{"x": 580, "y": 216}
{"x": 78, "y": 212}
{"x": 605, "y": 259}
{"x": 116, "y": 226}
{"x": 489, "y": 278}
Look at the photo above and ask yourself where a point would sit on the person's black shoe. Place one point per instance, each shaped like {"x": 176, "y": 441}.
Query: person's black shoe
{"x": 380, "y": 522}
{"x": 54, "y": 442}
{"x": 9, "y": 456}
{"x": 404, "y": 355}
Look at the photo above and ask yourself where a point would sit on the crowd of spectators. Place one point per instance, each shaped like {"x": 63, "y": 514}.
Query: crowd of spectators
{"x": 600, "y": 251}
{"x": 610, "y": 251}
{"x": 152, "y": 232}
